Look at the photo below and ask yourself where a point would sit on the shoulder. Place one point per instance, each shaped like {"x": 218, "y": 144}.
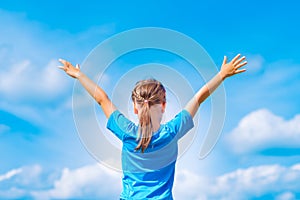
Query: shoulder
{"x": 182, "y": 116}
{"x": 120, "y": 125}
{"x": 181, "y": 123}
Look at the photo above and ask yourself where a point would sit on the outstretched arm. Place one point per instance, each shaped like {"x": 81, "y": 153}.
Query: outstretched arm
{"x": 92, "y": 88}
{"x": 228, "y": 69}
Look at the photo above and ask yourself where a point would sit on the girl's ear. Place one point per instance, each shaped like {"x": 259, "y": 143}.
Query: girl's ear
{"x": 163, "y": 107}
{"x": 135, "y": 110}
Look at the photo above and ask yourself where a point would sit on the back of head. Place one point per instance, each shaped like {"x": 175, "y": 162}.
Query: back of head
{"x": 146, "y": 94}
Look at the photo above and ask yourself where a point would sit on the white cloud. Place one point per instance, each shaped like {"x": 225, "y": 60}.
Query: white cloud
{"x": 26, "y": 175}
{"x": 29, "y": 53}
{"x": 97, "y": 181}
{"x": 262, "y": 129}
{"x": 241, "y": 184}
{"x": 31, "y": 85}
{"x": 15, "y": 183}
{"x": 24, "y": 81}
{"x": 10, "y": 174}
{"x": 88, "y": 181}
{"x": 29, "y": 78}
{"x": 31, "y": 175}
{"x": 28, "y": 91}
{"x": 189, "y": 185}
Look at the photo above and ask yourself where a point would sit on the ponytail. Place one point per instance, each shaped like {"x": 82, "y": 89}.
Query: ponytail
{"x": 145, "y": 128}
{"x": 147, "y": 93}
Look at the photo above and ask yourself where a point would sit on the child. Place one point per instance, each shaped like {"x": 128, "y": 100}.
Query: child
{"x": 149, "y": 149}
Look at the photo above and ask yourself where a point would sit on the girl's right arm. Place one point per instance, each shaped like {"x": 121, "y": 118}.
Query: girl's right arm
{"x": 228, "y": 69}
{"x": 92, "y": 88}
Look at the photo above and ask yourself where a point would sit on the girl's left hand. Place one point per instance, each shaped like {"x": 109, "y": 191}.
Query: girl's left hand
{"x": 72, "y": 71}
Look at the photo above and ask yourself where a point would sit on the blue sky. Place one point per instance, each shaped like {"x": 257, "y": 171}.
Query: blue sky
{"x": 258, "y": 153}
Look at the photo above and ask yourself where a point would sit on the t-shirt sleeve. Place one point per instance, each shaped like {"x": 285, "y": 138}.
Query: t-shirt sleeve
{"x": 181, "y": 124}
{"x": 119, "y": 125}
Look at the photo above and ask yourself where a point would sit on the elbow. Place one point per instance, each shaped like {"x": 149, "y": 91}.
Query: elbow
{"x": 98, "y": 99}
{"x": 101, "y": 100}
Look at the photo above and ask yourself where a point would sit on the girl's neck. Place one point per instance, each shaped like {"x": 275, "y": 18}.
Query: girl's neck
{"x": 155, "y": 126}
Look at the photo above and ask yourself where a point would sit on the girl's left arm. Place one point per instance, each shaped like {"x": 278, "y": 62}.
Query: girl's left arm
{"x": 228, "y": 69}
{"x": 92, "y": 88}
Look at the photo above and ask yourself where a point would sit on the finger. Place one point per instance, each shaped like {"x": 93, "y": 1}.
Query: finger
{"x": 239, "y": 71}
{"x": 235, "y": 58}
{"x": 241, "y": 65}
{"x": 239, "y": 60}
{"x": 224, "y": 60}
{"x": 61, "y": 67}
{"x": 62, "y": 61}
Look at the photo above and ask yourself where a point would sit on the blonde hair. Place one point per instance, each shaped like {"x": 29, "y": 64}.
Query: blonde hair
{"x": 146, "y": 94}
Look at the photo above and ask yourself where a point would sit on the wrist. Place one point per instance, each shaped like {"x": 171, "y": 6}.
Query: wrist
{"x": 222, "y": 75}
{"x": 78, "y": 74}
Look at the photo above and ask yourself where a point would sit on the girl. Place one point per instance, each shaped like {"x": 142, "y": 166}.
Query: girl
{"x": 149, "y": 149}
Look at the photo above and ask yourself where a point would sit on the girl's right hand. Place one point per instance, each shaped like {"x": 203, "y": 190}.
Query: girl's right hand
{"x": 72, "y": 71}
{"x": 233, "y": 67}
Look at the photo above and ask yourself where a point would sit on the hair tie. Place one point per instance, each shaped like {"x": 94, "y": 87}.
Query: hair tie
{"x": 145, "y": 101}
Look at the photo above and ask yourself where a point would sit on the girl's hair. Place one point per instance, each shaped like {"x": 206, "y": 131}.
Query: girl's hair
{"x": 147, "y": 93}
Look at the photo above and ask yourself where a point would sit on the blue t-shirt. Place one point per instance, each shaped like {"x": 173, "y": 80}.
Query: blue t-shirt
{"x": 149, "y": 175}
